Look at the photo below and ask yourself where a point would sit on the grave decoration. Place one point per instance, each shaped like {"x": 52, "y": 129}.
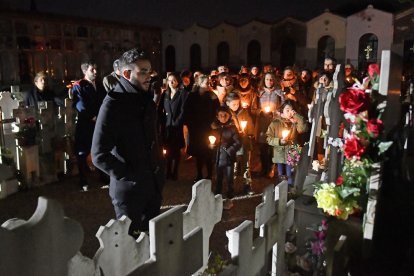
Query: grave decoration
{"x": 362, "y": 145}
{"x": 293, "y": 155}
{"x": 26, "y": 136}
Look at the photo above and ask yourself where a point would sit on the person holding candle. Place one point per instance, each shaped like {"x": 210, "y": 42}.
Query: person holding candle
{"x": 199, "y": 111}
{"x": 244, "y": 124}
{"x": 227, "y": 144}
{"x": 281, "y": 134}
{"x": 270, "y": 98}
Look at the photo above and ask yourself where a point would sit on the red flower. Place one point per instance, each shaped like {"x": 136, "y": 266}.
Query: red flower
{"x": 339, "y": 180}
{"x": 353, "y": 101}
{"x": 353, "y": 147}
{"x": 338, "y": 212}
{"x": 373, "y": 69}
{"x": 374, "y": 127}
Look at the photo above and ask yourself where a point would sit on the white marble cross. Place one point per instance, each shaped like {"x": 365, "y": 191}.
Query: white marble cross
{"x": 119, "y": 253}
{"x": 204, "y": 210}
{"x": 171, "y": 253}
{"x": 273, "y": 229}
{"x": 43, "y": 245}
{"x": 248, "y": 257}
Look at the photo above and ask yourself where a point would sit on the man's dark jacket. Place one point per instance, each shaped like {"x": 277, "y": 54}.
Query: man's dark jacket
{"x": 125, "y": 142}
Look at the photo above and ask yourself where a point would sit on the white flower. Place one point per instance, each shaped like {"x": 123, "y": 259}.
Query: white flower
{"x": 382, "y": 105}
{"x": 315, "y": 165}
{"x": 349, "y": 116}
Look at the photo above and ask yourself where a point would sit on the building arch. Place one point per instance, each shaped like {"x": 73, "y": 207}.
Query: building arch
{"x": 195, "y": 57}
{"x": 254, "y": 53}
{"x": 287, "y": 52}
{"x": 170, "y": 58}
{"x": 367, "y": 50}
{"x": 326, "y": 48}
{"x": 223, "y": 53}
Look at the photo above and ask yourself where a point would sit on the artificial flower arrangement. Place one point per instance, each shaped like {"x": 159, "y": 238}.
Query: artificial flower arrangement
{"x": 361, "y": 146}
{"x": 27, "y": 133}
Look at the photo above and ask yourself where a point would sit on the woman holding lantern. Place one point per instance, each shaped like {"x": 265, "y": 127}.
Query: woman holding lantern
{"x": 281, "y": 134}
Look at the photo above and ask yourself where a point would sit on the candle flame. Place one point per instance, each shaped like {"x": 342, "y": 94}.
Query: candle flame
{"x": 285, "y": 133}
{"x": 267, "y": 109}
{"x": 212, "y": 139}
{"x": 243, "y": 125}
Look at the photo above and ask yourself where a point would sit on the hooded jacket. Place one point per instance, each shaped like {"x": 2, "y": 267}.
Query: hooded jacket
{"x": 125, "y": 142}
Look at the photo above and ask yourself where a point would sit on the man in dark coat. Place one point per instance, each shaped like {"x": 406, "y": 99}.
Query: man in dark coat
{"x": 126, "y": 147}
{"x": 87, "y": 98}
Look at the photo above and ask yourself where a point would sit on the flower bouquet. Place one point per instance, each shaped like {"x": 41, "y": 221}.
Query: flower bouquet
{"x": 26, "y": 136}
{"x": 362, "y": 148}
{"x": 293, "y": 155}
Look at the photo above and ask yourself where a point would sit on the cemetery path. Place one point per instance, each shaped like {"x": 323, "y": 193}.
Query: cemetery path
{"x": 93, "y": 208}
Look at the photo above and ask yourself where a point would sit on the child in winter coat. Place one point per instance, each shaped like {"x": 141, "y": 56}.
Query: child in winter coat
{"x": 228, "y": 143}
{"x": 282, "y": 133}
{"x": 244, "y": 123}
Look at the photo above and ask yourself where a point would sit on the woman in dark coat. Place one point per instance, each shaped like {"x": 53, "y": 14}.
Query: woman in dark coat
{"x": 171, "y": 112}
{"x": 39, "y": 92}
{"x": 199, "y": 112}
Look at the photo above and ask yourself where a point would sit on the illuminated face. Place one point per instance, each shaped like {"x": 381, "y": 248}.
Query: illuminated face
{"x": 186, "y": 80}
{"x": 140, "y": 76}
{"x": 288, "y": 74}
{"x": 267, "y": 68}
{"x": 304, "y": 76}
{"x": 287, "y": 111}
{"x": 214, "y": 73}
{"x": 222, "y": 69}
{"x": 254, "y": 70}
{"x": 172, "y": 82}
{"x": 40, "y": 83}
{"x": 234, "y": 105}
{"x": 328, "y": 65}
{"x": 269, "y": 81}
{"x": 90, "y": 73}
{"x": 223, "y": 116}
{"x": 226, "y": 81}
{"x": 243, "y": 82}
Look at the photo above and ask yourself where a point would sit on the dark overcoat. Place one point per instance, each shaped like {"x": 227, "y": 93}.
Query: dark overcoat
{"x": 171, "y": 117}
{"x": 199, "y": 113}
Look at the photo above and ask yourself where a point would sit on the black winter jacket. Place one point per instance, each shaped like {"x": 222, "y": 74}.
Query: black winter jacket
{"x": 228, "y": 143}
{"x": 125, "y": 142}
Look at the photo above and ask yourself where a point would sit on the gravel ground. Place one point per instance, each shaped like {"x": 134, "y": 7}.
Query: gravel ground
{"x": 93, "y": 208}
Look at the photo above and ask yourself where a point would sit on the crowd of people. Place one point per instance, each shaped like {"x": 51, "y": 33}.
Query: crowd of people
{"x": 136, "y": 125}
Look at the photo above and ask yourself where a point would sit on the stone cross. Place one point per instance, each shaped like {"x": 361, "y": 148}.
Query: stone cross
{"x": 204, "y": 210}
{"x": 273, "y": 226}
{"x": 170, "y": 252}
{"x": 335, "y": 115}
{"x": 119, "y": 253}
{"x": 7, "y": 105}
{"x": 43, "y": 245}
{"x": 248, "y": 257}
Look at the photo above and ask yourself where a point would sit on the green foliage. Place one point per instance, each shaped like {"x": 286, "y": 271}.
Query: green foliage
{"x": 215, "y": 265}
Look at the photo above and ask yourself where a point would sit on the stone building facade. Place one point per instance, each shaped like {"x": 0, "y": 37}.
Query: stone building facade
{"x": 31, "y": 42}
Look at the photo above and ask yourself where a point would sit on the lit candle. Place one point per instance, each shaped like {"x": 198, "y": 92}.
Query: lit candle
{"x": 243, "y": 125}
{"x": 212, "y": 139}
{"x": 164, "y": 151}
{"x": 245, "y": 105}
{"x": 267, "y": 109}
{"x": 285, "y": 133}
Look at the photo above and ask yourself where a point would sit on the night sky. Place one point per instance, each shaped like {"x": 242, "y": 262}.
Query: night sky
{"x": 182, "y": 13}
